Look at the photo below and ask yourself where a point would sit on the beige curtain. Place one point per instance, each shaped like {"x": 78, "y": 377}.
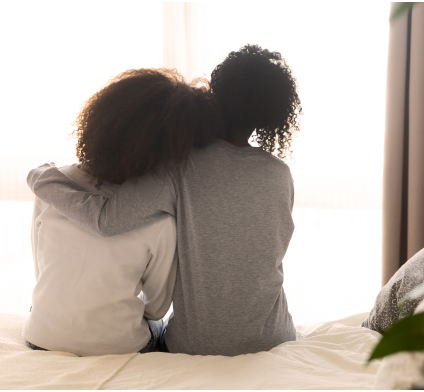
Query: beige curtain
{"x": 185, "y": 38}
{"x": 403, "y": 176}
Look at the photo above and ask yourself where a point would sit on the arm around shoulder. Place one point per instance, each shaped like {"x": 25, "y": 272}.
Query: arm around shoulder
{"x": 72, "y": 200}
{"x": 137, "y": 203}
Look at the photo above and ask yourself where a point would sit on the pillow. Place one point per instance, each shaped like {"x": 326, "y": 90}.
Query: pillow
{"x": 386, "y": 310}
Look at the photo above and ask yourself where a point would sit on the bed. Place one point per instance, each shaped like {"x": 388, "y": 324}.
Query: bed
{"x": 329, "y": 355}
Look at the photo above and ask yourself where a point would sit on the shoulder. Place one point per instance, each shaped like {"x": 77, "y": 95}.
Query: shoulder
{"x": 277, "y": 165}
{"x": 276, "y": 161}
{"x": 78, "y": 176}
{"x": 39, "y": 206}
{"x": 88, "y": 182}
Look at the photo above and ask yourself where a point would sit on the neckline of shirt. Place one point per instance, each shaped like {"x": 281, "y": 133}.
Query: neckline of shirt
{"x": 230, "y": 146}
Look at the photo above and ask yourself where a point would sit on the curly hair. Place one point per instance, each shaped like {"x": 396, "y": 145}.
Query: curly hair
{"x": 144, "y": 121}
{"x": 258, "y": 93}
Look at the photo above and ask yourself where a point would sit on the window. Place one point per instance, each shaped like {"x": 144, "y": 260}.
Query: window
{"x": 338, "y": 54}
{"x": 55, "y": 56}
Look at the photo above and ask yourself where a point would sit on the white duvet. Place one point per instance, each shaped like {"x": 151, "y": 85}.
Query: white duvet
{"x": 329, "y": 355}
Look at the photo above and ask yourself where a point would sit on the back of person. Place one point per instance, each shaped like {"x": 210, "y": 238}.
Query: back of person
{"x": 93, "y": 293}
{"x": 234, "y": 227}
{"x": 86, "y": 299}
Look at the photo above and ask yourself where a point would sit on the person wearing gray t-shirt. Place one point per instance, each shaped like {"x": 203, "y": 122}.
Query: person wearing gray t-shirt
{"x": 233, "y": 207}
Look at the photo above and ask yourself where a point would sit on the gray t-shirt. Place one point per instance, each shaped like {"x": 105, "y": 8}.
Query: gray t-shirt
{"x": 233, "y": 208}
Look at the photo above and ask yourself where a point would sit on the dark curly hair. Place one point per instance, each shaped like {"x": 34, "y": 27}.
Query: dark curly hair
{"x": 258, "y": 92}
{"x": 144, "y": 121}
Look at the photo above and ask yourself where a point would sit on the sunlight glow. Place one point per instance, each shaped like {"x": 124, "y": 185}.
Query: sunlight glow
{"x": 58, "y": 53}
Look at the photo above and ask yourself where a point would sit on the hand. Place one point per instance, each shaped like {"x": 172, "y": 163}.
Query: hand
{"x": 51, "y": 164}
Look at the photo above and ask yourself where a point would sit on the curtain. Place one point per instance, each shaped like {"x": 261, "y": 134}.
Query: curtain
{"x": 184, "y": 38}
{"x": 403, "y": 174}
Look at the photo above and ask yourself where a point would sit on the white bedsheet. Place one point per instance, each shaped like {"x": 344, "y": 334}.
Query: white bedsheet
{"x": 329, "y": 355}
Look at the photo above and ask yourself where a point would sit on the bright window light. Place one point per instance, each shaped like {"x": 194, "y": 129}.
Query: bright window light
{"x": 57, "y": 53}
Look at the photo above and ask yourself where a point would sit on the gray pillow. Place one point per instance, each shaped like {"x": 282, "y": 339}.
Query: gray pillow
{"x": 386, "y": 310}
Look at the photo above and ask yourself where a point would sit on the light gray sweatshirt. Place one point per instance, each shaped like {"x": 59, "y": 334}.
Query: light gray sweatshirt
{"x": 233, "y": 208}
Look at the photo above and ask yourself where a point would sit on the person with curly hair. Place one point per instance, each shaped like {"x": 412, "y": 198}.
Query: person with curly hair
{"x": 258, "y": 93}
{"x": 233, "y": 206}
{"x": 96, "y": 295}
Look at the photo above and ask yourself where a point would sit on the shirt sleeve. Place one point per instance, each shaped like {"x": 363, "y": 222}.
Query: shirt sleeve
{"x": 159, "y": 278}
{"x": 37, "y": 210}
{"x": 292, "y": 193}
{"x": 137, "y": 203}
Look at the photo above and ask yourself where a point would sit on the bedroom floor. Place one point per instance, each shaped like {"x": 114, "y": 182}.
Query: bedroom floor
{"x": 332, "y": 267}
